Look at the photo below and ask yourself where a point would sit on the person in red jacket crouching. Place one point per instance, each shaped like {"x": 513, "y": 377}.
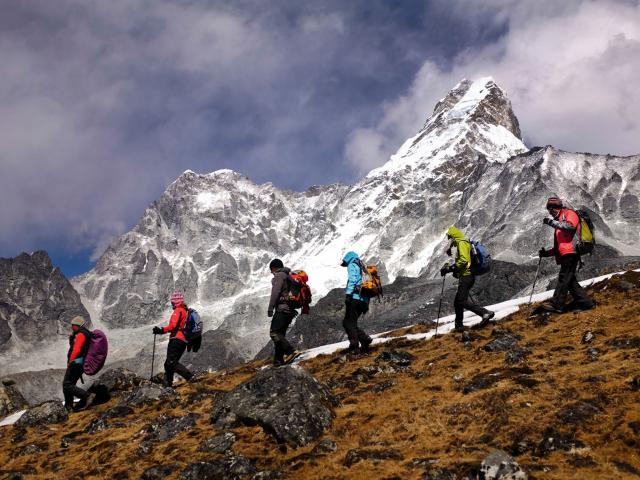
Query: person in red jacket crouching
{"x": 565, "y": 239}
{"x": 79, "y": 341}
{"x": 177, "y": 340}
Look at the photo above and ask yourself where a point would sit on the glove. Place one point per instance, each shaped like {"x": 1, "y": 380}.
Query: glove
{"x": 157, "y": 331}
{"x": 542, "y": 253}
{"x": 348, "y": 298}
{"x": 449, "y": 253}
{"x": 444, "y": 270}
{"x": 547, "y": 221}
{"x": 270, "y": 313}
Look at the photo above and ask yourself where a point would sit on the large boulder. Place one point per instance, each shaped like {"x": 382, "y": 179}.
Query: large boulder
{"x": 10, "y": 398}
{"x": 45, "y": 413}
{"x": 119, "y": 380}
{"x": 286, "y": 402}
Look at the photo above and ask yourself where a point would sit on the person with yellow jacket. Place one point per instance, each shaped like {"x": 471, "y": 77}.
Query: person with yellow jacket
{"x": 461, "y": 270}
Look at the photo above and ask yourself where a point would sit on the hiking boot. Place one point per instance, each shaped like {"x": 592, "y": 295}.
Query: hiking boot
{"x": 459, "y": 328}
{"x": 365, "y": 346}
{"x": 486, "y": 318}
{"x": 550, "y": 307}
{"x": 81, "y": 405}
{"x": 278, "y": 363}
{"x": 290, "y": 357}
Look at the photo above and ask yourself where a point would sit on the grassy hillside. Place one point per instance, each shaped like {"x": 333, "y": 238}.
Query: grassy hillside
{"x": 560, "y": 395}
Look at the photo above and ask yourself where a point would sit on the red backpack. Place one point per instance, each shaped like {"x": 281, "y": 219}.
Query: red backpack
{"x": 299, "y": 292}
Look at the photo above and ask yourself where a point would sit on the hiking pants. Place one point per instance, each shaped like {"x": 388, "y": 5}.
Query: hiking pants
{"x": 567, "y": 283}
{"x": 172, "y": 364}
{"x": 69, "y": 388}
{"x": 279, "y": 324}
{"x": 357, "y": 336}
{"x": 462, "y": 302}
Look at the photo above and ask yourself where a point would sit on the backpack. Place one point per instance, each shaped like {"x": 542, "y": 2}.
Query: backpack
{"x": 96, "y": 353}
{"x": 586, "y": 240}
{"x": 299, "y": 295}
{"x": 193, "y": 326}
{"x": 480, "y": 258}
{"x": 371, "y": 283}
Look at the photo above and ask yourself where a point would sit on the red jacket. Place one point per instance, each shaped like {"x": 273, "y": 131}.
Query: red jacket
{"x": 565, "y": 239}
{"x": 177, "y": 323}
{"x": 76, "y": 345}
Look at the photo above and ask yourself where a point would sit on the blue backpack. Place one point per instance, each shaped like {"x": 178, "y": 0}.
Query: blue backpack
{"x": 480, "y": 258}
{"x": 193, "y": 326}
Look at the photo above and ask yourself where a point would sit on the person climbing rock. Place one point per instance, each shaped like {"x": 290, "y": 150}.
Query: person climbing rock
{"x": 461, "y": 269}
{"x": 177, "y": 340}
{"x": 565, "y": 223}
{"x": 355, "y": 304}
{"x": 79, "y": 341}
{"x": 281, "y": 313}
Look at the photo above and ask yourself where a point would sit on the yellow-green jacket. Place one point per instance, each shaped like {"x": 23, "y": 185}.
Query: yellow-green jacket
{"x": 463, "y": 252}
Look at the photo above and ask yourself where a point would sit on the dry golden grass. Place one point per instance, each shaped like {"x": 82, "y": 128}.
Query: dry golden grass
{"x": 425, "y": 415}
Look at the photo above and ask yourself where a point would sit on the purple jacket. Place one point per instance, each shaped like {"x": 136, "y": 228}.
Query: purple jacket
{"x": 279, "y": 292}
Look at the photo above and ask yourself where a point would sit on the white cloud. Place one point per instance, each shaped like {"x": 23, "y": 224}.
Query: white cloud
{"x": 571, "y": 70}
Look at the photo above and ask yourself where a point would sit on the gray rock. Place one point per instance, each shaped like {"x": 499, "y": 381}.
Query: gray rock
{"x": 147, "y": 393}
{"x": 232, "y": 467}
{"x": 219, "y": 443}
{"x": 286, "y": 402}
{"x": 97, "y": 425}
{"x": 396, "y": 357}
{"x": 500, "y": 466}
{"x": 45, "y": 413}
{"x": 588, "y": 337}
{"x": 504, "y": 340}
{"x": 158, "y": 472}
{"x": 166, "y": 427}
{"x": 119, "y": 380}
{"x": 11, "y": 399}
{"x": 324, "y": 447}
{"x": 356, "y": 455}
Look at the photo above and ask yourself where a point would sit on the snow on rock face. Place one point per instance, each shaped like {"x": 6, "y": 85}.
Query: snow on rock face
{"x": 213, "y": 235}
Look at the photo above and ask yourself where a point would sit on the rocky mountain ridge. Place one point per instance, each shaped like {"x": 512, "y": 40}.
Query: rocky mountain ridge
{"x": 36, "y": 302}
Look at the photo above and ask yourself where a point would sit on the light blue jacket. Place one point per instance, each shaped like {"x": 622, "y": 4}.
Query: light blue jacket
{"x": 354, "y": 276}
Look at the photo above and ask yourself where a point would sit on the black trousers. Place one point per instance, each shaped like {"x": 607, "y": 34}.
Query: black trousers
{"x": 69, "y": 388}
{"x": 172, "y": 364}
{"x": 568, "y": 283}
{"x": 279, "y": 324}
{"x": 462, "y": 302}
{"x": 357, "y": 336}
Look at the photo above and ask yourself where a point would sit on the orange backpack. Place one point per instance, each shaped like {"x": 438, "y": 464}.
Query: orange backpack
{"x": 299, "y": 292}
{"x": 371, "y": 282}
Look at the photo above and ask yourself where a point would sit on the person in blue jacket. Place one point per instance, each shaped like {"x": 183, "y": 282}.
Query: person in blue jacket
{"x": 356, "y": 305}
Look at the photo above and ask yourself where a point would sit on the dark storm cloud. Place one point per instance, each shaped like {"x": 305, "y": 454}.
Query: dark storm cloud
{"x": 105, "y": 103}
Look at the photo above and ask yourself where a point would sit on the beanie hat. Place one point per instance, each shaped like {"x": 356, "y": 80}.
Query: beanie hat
{"x": 554, "y": 202}
{"x": 276, "y": 263}
{"x": 177, "y": 297}
{"x": 79, "y": 321}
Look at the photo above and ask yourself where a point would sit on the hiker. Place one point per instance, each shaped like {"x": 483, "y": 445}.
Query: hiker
{"x": 281, "y": 313}
{"x": 79, "y": 341}
{"x": 566, "y": 223}
{"x": 356, "y": 305}
{"x": 461, "y": 269}
{"x": 177, "y": 340}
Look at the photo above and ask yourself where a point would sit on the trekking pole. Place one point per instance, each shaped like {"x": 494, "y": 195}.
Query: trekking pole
{"x": 153, "y": 355}
{"x": 440, "y": 306}
{"x": 535, "y": 280}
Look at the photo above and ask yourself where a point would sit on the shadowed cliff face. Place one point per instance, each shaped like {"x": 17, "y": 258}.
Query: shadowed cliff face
{"x": 36, "y": 301}
{"x": 557, "y": 395}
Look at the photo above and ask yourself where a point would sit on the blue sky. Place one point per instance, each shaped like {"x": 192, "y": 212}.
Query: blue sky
{"x": 106, "y": 103}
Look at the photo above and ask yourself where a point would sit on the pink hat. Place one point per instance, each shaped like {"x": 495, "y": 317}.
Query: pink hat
{"x": 177, "y": 297}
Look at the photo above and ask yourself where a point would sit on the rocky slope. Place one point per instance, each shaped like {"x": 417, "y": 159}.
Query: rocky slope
{"x": 36, "y": 303}
{"x": 212, "y": 235}
{"x": 557, "y": 398}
